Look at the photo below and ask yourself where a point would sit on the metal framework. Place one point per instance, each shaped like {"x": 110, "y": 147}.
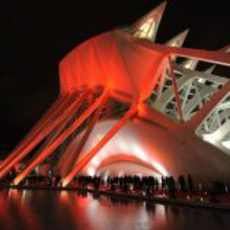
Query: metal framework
{"x": 127, "y": 78}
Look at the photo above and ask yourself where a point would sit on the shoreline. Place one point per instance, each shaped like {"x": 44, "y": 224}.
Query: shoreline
{"x": 153, "y": 199}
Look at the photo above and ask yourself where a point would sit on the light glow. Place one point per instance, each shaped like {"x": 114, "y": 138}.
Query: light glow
{"x": 226, "y": 144}
{"x": 91, "y": 172}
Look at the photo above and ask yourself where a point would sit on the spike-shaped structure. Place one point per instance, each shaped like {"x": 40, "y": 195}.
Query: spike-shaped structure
{"x": 226, "y": 49}
{"x": 147, "y": 27}
{"x": 210, "y": 69}
{"x": 190, "y": 64}
{"x": 178, "y": 40}
{"x": 127, "y": 100}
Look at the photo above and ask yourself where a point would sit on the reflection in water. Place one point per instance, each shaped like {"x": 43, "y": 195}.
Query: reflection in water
{"x": 39, "y": 209}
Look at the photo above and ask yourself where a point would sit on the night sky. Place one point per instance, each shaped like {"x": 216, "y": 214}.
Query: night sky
{"x": 37, "y": 34}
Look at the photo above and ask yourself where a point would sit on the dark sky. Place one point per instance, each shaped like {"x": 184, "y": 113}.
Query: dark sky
{"x": 37, "y": 34}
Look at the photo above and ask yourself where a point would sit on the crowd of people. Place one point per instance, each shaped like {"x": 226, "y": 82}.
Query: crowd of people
{"x": 183, "y": 186}
{"x": 145, "y": 185}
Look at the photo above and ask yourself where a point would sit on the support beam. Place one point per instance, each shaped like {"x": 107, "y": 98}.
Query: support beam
{"x": 215, "y": 57}
{"x": 60, "y": 139}
{"x": 88, "y": 156}
{"x": 161, "y": 86}
{"x": 57, "y": 131}
{"x": 47, "y": 118}
{"x": 49, "y": 128}
{"x": 177, "y": 96}
{"x": 64, "y": 164}
{"x": 185, "y": 100}
{"x": 208, "y": 107}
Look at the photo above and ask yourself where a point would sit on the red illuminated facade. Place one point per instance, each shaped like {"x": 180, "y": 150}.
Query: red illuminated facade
{"x": 113, "y": 114}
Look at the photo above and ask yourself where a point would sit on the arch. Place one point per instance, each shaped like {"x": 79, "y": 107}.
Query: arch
{"x": 125, "y": 158}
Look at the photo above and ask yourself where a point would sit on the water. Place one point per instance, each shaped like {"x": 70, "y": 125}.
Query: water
{"x": 35, "y": 210}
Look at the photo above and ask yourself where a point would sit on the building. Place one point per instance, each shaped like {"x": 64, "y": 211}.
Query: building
{"x": 130, "y": 106}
